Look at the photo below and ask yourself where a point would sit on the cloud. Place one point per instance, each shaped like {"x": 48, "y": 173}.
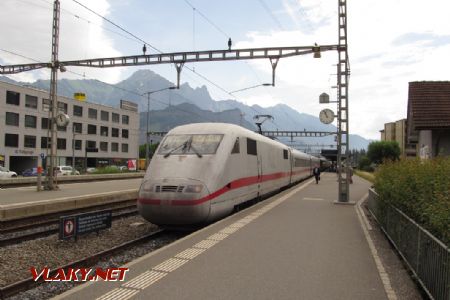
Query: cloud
{"x": 27, "y": 24}
{"x": 426, "y": 39}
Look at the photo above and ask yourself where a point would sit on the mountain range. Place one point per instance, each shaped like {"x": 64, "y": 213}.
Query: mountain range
{"x": 170, "y": 108}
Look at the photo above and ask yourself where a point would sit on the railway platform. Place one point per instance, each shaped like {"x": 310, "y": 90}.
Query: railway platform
{"x": 24, "y": 202}
{"x": 295, "y": 245}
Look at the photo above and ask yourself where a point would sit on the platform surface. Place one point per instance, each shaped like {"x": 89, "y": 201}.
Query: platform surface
{"x": 24, "y": 202}
{"x": 295, "y": 245}
{"x": 27, "y": 194}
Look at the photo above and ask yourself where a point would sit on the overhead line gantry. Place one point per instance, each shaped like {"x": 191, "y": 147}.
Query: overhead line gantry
{"x": 180, "y": 58}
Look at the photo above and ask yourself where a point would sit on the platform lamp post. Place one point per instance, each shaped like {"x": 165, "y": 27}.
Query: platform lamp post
{"x": 148, "y": 112}
{"x": 74, "y": 134}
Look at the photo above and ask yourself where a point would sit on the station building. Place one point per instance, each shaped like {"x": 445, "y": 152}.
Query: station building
{"x": 25, "y": 122}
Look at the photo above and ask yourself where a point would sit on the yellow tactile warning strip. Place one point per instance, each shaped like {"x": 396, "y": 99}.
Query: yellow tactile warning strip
{"x": 144, "y": 280}
{"x": 366, "y": 227}
{"x": 190, "y": 253}
{"x": 119, "y": 294}
{"x": 313, "y": 199}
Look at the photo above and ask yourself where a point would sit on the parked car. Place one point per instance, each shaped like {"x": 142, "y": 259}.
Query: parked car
{"x": 123, "y": 168}
{"x": 65, "y": 170}
{"x": 5, "y": 173}
{"x": 32, "y": 172}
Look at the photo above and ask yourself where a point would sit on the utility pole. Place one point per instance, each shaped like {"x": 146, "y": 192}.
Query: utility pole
{"x": 53, "y": 101}
{"x": 148, "y": 118}
{"x": 343, "y": 72}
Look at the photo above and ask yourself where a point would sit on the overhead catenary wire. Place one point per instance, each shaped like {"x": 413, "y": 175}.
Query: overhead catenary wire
{"x": 271, "y": 14}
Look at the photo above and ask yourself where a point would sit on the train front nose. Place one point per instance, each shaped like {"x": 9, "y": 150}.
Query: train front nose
{"x": 174, "y": 201}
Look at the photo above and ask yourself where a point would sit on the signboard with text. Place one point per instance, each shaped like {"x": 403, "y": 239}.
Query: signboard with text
{"x": 72, "y": 226}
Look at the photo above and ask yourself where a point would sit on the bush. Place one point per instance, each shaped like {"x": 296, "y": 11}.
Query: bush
{"x": 364, "y": 164}
{"x": 107, "y": 170}
{"x": 421, "y": 189}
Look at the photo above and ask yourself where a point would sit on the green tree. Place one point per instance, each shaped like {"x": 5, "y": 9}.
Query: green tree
{"x": 364, "y": 164}
{"x": 152, "y": 149}
{"x": 383, "y": 150}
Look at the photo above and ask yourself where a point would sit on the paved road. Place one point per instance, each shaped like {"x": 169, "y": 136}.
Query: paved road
{"x": 29, "y": 194}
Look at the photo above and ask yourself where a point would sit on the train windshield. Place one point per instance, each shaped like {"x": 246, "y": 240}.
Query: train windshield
{"x": 197, "y": 144}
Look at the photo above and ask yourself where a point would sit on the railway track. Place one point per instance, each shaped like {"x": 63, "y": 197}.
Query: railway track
{"x": 26, "y": 284}
{"x": 50, "y": 227}
{"x": 50, "y": 219}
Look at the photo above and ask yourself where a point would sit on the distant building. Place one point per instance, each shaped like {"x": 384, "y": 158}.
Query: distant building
{"x": 429, "y": 117}
{"x": 396, "y": 131}
{"x": 25, "y": 121}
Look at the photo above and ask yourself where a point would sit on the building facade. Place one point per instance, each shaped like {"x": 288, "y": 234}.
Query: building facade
{"x": 25, "y": 118}
{"x": 396, "y": 131}
{"x": 429, "y": 118}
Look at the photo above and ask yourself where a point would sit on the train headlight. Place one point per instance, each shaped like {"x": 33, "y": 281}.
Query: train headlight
{"x": 193, "y": 188}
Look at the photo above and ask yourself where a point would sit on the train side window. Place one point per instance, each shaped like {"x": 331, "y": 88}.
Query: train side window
{"x": 236, "y": 146}
{"x": 285, "y": 154}
{"x": 251, "y": 147}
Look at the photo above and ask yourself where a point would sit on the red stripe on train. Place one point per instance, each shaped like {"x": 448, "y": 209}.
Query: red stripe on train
{"x": 239, "y": 183}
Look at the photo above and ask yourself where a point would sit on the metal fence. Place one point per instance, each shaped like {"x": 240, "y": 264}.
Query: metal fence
{"x": 426, "y": 256}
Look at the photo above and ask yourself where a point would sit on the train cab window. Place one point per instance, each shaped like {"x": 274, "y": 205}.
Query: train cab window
{"x": 236, "y": 146}
{"x": 251, "y": 147}
{"x": 197, "y": 144}
{"x": 285, "y": 154}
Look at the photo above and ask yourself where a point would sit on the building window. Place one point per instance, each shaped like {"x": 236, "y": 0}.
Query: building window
{"x": 12, "y": 119}
{"x": 104, "y": 115}
{"x": 30, "y": 121}
{"x": 104, "y": 146}
{"x": 11, "y": 140}
{"x": 115, "y": 132}
{"x": 62, "y": 107}
{"x": 45, "y": 142}
{"x": 115, "y": 118}
{"x": 77, "y": 127}
{"x": 92, "y": 129}
{"x": 124, "y": 147}
{"x": 31, "y": 101}
{"x": 61, "y": 128}
{"x": 46, "y": 123}
{"x": 46, "y": 105}
{"x": 251, "y": 147}
{"x": 29, "y": 141}
{"x": 125, "y": 133}
{"x": 61, "y": 144}
{"x": 103, "y": 131}
{"x": 12, "y": 98}
{"x": 115, "y": 147}
{"x": 125, "y": 119}
{"x": 92, "y": 113}
{"x": 91, "y": 144}
{"x": 78, "y": 145}
{"x": 77, "y": 111}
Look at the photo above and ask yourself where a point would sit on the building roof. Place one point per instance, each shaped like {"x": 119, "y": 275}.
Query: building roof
{"x": 429, "y": 105}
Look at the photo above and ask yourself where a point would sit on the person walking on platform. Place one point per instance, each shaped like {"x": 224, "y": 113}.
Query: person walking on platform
{"x": 316, "y": 173}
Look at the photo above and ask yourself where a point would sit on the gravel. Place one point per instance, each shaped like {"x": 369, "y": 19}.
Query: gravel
{"x": 16, "y": 260}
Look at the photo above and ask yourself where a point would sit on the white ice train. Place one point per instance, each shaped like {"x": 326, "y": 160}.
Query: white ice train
{"x": 201, "y": 172}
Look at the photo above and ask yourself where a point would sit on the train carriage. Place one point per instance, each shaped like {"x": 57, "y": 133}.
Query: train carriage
{"x": 201, "y": 172}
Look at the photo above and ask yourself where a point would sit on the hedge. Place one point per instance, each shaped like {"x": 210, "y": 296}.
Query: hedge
{"x": 421, "y": 189}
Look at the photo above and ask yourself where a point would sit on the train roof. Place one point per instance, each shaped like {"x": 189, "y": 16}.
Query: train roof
{"x": 227, "y": 128}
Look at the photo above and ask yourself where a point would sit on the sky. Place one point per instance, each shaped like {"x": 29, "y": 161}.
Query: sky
{"x": 390, "y": 44}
